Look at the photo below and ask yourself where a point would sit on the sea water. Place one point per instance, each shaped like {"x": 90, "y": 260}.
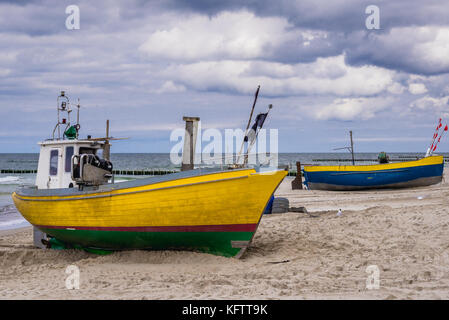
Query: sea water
{"x": 10, "y": 218}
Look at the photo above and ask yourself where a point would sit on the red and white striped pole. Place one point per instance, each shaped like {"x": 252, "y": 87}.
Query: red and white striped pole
{"x": 439, "y": 139}
{"x": 435, "y": 135}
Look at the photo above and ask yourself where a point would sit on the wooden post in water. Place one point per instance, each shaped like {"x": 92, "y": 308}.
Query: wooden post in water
{"x": 188, "y": 152}
{"x": 107, "y": 145}
{"x": 297, "y": 182}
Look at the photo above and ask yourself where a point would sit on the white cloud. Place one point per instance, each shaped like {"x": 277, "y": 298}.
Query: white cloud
{"x": 435, "y": 50}
{"x": 324, "y": 76}
{"x": 170, "y": 87}
{"x": 235, "y": 35}
{"x": 396, "y": 88}
{"x": 4, "y": 72}
{"x": 229, "y": 35}
{"x": 421, "y": 50}
{"x": 147, "y": 127}
{"x": 384, "y": 139}
{"x": 432, "y": 104}
{"x": 417, "y": 88}
{"x": 391, "y": 139}
{"x": 351, "y": 109}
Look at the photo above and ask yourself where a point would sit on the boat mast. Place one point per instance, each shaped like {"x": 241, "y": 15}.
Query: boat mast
{"x": 352, "y": 147}
{"x": 249, "y": 123}
{"x": 245, "y": 161}
{"x": 64, "y": 106}
{"x": 78, "y": 126}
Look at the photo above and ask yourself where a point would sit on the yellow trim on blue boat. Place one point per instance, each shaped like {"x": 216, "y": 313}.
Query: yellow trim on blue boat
{"x": 428, "y": 161}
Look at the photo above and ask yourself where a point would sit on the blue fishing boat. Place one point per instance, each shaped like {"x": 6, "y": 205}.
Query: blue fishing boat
{"x": 422, "y": 172}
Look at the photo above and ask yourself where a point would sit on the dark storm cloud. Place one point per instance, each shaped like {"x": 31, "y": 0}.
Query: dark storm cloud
{"x": 304, "y": 50}
{"x": 409, "y": 49}
{"x": 344, "y": 22}
{"x": 339, "y": 15}
{"x": 46, "y": 17}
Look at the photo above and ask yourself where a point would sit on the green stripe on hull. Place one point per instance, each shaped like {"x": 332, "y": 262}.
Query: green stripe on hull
{"x": 219, "y": 243}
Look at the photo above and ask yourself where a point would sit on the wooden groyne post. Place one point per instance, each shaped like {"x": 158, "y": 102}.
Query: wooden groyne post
{"x": 297, "y": 182}
{"x": 188, "y": 152}
{"x": 148, "y": 172}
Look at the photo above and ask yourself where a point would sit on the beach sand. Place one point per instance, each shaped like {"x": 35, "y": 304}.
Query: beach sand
{"x": 403, "y": 233}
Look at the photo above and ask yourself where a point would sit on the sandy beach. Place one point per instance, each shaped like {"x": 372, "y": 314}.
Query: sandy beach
{"x": 404, "y": 233}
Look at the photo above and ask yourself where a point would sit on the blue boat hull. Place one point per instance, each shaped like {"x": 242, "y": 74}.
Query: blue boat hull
{"x": 391, "y": 178}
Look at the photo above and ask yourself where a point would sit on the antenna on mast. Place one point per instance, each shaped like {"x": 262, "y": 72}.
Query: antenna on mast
{"x": 78, "y": 126}
{"x": 62, "y": 105}
{"x": 350, "y": 148}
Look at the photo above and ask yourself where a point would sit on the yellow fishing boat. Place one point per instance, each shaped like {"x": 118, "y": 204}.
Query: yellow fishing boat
{"x": 74, "y": 201}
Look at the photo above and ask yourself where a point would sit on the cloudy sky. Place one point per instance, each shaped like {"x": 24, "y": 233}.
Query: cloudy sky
{"x": 145, "y": 64}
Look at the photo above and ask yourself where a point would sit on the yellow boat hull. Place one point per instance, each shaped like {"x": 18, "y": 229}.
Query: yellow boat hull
{"x": 215, "y": 212}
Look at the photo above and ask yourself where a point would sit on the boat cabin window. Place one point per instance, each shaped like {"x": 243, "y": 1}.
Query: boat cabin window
{"x": 53, "y": 162}
{"x": 84, "y": 150}
{"x": 68, "y": 158}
